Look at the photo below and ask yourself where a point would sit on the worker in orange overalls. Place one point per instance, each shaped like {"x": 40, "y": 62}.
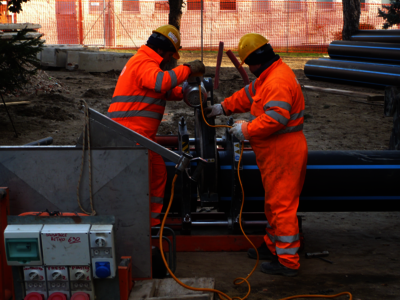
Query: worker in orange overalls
{"x": 275, "y": 132}
{"x": 140, "y": 97}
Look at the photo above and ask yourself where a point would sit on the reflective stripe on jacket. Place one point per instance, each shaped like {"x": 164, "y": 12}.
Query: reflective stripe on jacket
{"x": 275, "y": 100}
{"x": 142, "y": 90}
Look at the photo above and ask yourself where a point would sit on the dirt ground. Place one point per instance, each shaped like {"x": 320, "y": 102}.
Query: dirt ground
{"x": 332, "y": 122}
{"x": 364, "y": 247}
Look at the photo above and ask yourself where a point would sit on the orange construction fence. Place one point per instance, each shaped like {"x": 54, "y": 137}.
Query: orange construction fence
{"x": 291, "y": 26}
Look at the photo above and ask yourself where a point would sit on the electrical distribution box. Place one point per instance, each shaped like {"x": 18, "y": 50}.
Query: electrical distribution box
{"x": 22, "y": 243}
{"x": 102, "y": 251}
{"x": 60, "y": 261}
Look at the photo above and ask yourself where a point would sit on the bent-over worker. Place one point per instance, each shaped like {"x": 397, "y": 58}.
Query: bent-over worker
{"x": 276, "y": 103}
{"x": 140, "y": 97}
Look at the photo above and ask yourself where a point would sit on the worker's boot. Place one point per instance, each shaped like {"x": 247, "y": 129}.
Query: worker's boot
{"x": 263, "y": 252}
{"x": 276, "y": 268}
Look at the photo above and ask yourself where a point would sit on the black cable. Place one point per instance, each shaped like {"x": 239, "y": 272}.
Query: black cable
{"x": 9, "y": 116}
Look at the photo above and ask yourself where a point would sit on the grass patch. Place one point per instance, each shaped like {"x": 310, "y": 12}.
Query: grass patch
{"x": 119, "y": 50}
{"x": 298, "y": 54}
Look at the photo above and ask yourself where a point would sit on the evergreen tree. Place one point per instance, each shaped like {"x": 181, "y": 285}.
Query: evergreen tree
{"x": 18, "y": 61}
{"x": 14, "y": 6}
{"x": 390, "y": 13}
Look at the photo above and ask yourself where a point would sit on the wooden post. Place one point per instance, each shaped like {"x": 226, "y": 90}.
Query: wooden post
{"x": 351, "y": 17}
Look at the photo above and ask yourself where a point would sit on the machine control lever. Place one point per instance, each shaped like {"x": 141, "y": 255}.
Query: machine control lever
{"x": 184, "y": 164}
{"x": 201, "y": 162}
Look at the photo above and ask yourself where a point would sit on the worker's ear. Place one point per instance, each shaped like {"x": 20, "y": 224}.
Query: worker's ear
{"x": 161, "y": 53}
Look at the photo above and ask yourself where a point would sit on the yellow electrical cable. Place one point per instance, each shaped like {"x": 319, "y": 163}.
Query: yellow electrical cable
{"x": 240, "y": 279}
{"x": 235, "y": 282}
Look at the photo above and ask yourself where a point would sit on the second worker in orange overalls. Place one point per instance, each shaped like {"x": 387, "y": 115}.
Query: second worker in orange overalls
{"x": 275, "y": 132}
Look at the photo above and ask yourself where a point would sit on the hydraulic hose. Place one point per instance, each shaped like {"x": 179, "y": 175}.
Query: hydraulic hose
{"x": 238, "y": 66}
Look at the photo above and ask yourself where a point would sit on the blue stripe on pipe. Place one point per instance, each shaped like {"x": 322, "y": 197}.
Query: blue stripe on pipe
{"x": 355, "y": 70}
{"x": 363, "y": 57}
{"x": 375, "y": 36}
{"x": 327, "y": 198}
{"x": 334, "y": 78}
{"x": 369, "y": 47}
{"x": 249, "y": 167}
{"x": 330, "y": 167}
{"x": 352, "y": 198}
{"x": 355, "y": 167}
{"x": 361, "y": 62}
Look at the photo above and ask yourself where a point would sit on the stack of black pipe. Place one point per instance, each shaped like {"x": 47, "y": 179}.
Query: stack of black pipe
{"x": 371, "y": 57}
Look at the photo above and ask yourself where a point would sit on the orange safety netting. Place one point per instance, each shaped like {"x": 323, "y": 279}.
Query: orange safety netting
{"x": 291, "y": 26}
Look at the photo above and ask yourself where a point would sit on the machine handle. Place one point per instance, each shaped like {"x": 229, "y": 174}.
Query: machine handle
{"x": 201, "y": 162}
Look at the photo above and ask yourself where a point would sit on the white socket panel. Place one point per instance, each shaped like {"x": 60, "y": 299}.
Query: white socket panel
{"x": 66, "y": 245}
{"x": 102, "y": 247}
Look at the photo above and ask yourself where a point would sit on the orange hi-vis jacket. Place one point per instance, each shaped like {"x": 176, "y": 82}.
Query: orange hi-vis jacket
{"x": 275, "y": 101}
{"x": 139, "y": 102}
{"x": 277, "y": 106}
{"x": 142, "y": 91}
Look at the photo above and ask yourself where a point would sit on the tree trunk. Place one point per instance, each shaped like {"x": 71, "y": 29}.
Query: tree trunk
{"x": 351, "y": 18}
{"x": 175, "y": 15}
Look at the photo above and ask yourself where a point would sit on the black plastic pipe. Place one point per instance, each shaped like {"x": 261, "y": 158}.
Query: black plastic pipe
{"x": 43, "y": 142}
{"x": 335, "y": 181}
{"x": 378, "y": 52}
{"x": 380, "y": 36}
{"x": 353, "y": 72}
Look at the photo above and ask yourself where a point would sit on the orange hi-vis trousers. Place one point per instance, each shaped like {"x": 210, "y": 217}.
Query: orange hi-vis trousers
{"x": 282, "y": 160}
{"x": 158, "y": 179}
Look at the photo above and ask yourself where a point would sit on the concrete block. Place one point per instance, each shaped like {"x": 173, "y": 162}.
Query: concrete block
{"x": 103, "y": 61}
{"x": 56, "y": 55}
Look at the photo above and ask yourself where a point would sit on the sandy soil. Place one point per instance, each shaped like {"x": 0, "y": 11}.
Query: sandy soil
{"x": 363, "y": 246}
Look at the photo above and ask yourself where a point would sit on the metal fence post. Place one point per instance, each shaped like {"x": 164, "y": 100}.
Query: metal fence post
{"x": 202, "y": 7}
{"x": 104, "y": 23}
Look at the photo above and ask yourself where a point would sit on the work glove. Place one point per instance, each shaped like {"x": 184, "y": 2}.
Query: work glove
{"x": 215, "y": 110}
{"x": 236, "y": 130}
{"x": 197, "y": 68}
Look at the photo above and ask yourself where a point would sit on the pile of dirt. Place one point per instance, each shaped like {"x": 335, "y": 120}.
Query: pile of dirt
{"x": 99, "y": 93}
{"x": 40, "y": 83}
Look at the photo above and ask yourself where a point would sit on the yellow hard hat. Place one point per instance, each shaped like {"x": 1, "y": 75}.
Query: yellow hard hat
{"x": 171, "y": 33}
{"x": 249, "y": 43}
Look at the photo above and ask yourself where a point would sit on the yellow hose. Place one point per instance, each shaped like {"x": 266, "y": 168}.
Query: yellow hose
{"x": 235, "y": 282}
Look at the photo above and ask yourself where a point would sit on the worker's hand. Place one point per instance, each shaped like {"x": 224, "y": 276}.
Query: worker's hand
{"x": 236, "y": 130}
{"x": 215, "y": 110}
{"x": 197, "y": 68}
